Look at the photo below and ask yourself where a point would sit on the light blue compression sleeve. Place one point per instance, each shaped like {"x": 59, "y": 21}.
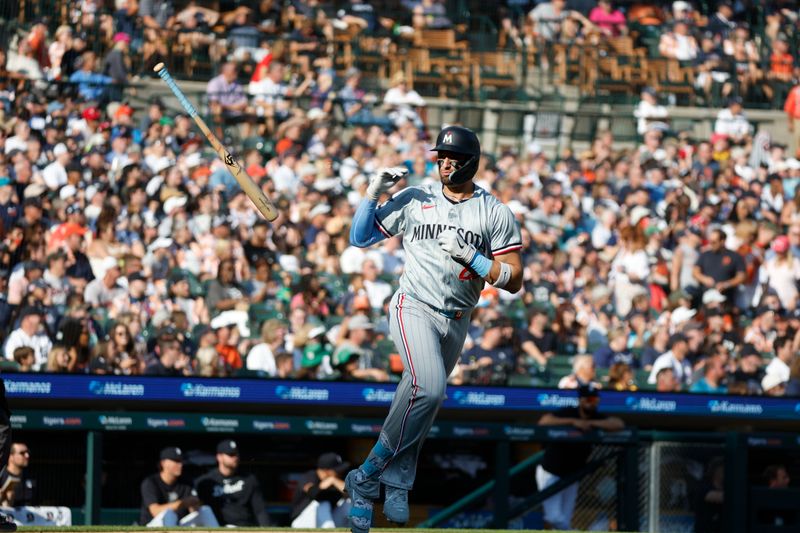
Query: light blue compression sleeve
{"x": 364, "y": 231}
{"x": 481, "y": 264}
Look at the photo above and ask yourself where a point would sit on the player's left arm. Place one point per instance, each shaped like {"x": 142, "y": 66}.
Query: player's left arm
{"x": 505, "y": 242}
{"x": 511, "y": 260}
{"x": 504, "y": 268}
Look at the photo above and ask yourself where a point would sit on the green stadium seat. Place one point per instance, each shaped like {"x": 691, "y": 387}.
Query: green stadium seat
{"x": 560, "y": 365}
{"x": 624, "y": 127}
{"x": 471, "y": 117}
{"x": 641, "y": 380}
{"x": 521, "y": 380}
{"x": 333, "y": 320}
{"x": 586, "y": 119}
{"x": 260, "y": 313}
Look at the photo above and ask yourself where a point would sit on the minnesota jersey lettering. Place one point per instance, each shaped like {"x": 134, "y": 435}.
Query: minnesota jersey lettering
{"x": 432, "y": 231}
{"x": 440, "y": 224}
{"x": 430, "y": 275}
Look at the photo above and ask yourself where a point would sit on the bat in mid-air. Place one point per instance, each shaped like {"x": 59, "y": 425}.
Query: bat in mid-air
{"x": 250, "y": 188}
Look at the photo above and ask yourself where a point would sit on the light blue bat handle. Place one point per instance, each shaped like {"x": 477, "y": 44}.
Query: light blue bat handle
{"x": 187, "y": 105}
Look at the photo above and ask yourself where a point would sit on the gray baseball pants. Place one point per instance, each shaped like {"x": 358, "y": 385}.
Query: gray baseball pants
{"x": 430, "y": 345}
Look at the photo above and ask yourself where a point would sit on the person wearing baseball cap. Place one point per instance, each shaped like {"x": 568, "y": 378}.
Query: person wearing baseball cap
{"x": 360, "y": 340}
{"x": 167, "y": 502}
{"x": 563, "y": 459}
{"x": 320, "y": 500}
{"x": 30, "y": 333}
{"x": 675, "y": 358}
{"x": 235, "y": 498}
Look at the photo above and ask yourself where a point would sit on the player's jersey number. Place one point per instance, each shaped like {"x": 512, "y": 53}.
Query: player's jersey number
{"x": 467, "y": 275}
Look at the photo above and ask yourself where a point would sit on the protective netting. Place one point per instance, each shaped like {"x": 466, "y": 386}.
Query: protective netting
{"x": 674, "y": 480}
{"x": 596, "y": 507}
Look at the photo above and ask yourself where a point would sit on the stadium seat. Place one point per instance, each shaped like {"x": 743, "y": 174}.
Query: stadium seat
{"x": 343, "y": 41}
{"x": 549, "y": 116}
{"x": 669, "y": 76}
{"x": 623, "y": 124}
{"x": 471, "y": 117}
{"x": 587, "y": 117}
{"x": 497, "y": 71}
{"x": 260, "y": 313}
{"x": 560, "y": 365}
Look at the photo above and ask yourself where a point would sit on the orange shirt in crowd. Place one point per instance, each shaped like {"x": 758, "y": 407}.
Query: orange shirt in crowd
{"x": 792, "y": 105}
{"x": 781, "y": 64}
{"x": 230, "y": 355}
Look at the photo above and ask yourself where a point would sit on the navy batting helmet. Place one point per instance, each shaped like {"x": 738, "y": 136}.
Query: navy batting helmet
{"x": 460, "y": 140}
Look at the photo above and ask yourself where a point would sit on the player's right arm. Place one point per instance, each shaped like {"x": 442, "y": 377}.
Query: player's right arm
{"x": 366, "y": 229}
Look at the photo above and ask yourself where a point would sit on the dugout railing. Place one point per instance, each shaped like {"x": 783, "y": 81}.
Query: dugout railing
{"x": 628, "y": 466}
{"x": 639, "y": 489}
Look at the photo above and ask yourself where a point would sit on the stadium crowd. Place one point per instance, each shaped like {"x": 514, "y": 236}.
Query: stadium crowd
{"x": 128, "y": 249}
{"x": 728, "y": 48}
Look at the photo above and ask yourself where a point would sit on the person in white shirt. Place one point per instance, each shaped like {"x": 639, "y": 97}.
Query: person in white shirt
{"x": 630, "y": 268}
{"x": 269, "y": 93}
{"x": 55, "y": 174}
{"x": 402, "y": 102}
{"x": 583, "y": 373}
{"x": 678, "y": 44}
{"x": 377, "y": 289}
{"x": 285, "y": 178}
{"x": 784, "y": 354}
{"x": 103, "y": 290}
{"x": 56, "y": 277}
{"x": 29, "y": 334}
{"x": 732, "y": 122}
{"x": 604, "y": 229}
{"x": 262, "y": 356}
{"x": 650, "y": 113}
{"x": 18, "y": 141}
{"x": 23, "y": 62}
{"x": 675, "y": 359}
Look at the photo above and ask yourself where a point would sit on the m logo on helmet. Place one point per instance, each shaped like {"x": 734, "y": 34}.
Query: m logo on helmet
{"x": 448, "y": 138}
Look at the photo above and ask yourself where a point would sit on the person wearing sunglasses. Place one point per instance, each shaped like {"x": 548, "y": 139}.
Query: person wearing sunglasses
{"x": 457, "y": 237}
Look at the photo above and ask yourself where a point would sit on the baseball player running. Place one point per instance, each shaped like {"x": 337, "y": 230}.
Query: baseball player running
{"x": 456, "y": 236}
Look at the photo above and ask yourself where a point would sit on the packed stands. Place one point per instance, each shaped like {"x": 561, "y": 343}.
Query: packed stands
{"x": 128, "y": 249}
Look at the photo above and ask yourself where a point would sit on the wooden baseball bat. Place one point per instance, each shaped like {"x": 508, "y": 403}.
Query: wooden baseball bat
{"x": 250, "y": 188}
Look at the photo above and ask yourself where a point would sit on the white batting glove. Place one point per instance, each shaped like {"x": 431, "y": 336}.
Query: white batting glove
{"x": 452, "y": 243}
{"x": 383, "y": 180}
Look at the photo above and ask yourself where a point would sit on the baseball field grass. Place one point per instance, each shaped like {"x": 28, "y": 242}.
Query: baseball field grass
{"x": 115, "y": 529}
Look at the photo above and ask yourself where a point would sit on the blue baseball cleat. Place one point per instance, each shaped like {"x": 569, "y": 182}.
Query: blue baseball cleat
{"x": 395, "y": 507}
{"x": 7, "y": 523}
{"x": 361, "y": 500}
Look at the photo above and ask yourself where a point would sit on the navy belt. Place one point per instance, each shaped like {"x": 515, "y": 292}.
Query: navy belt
{"x": 452, "y": 315}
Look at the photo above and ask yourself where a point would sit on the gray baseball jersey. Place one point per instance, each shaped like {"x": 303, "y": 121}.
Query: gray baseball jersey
{"x": 424, "y": 318}
{"x": 430, "y": 274}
